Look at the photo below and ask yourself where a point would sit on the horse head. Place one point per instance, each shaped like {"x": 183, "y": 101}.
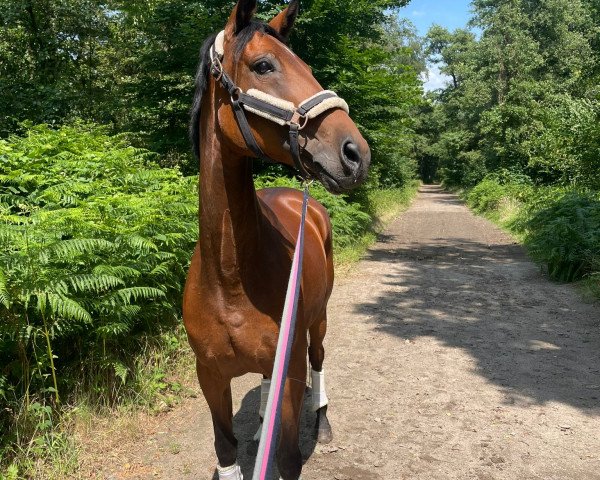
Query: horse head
{"x": 278, "y": 92}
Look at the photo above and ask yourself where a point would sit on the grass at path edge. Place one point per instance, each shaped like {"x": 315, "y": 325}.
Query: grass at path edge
{"x": 555, "y": 225}
{"x": 383, "y": 206}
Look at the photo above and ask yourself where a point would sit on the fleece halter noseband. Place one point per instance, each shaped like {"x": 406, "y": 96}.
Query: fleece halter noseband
{"x": 275, "y": 109}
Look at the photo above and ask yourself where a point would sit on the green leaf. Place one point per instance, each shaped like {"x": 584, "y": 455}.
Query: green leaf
{"x": 66, "y": 308}
{"x": 94, "y": 283}
{"x": 121, "y": 371}
{"x": 68, "y": 249}
{"x": 4, "y": 296}
{"x": 138, "y": 293}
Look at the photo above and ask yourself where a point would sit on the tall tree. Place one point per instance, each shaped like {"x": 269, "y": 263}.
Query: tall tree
{"x": 49, "y": 58}
{"x": 525, "y": 96}
{"x": 450, "y": 50}
{"x": 131, "y": 64}
{"x": 155, "y": 56}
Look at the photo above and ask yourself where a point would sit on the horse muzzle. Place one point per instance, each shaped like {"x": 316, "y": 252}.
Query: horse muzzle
{"x": 342, "y": 170}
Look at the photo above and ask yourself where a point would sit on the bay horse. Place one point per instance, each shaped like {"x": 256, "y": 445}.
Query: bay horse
{"x": 236, "y": 284}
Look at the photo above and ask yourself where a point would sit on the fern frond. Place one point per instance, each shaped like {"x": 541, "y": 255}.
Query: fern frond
{"x": 162, "y": 269}
{"x": 59, "y": 287}
{"x": 117, "y": 271}
{"x": 4, "y": 296}
{"x": 66, "y": 308}
{"x": 11, "y": 233}
{"x": 165, "y": 256}
{"x": 113, "y": 329}
{"x": 138, "y": 293}
{"x": 140, "y": 243}
{"x": 121, "y": 371}
{"x": 94, "y": 283}
{"x": 66, "y": 249}
{"x": 128, "y": 312}
{"x": 63, "y": 327}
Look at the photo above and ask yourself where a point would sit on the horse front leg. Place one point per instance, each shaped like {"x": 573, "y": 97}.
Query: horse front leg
{"x": 217, "y": 391}
{"x": 316, "y": 355}
{"x": 289, "y": 457}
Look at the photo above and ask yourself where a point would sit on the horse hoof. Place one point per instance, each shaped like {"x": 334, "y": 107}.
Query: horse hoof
{"x": 323, "y": 427}
{"x": 324, "y": 435}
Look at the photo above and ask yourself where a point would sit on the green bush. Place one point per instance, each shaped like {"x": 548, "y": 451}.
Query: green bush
{"x": 562, "y": 231}
{"x": 496, "y": 188}
{"x": 95, "y": 239}
{"x": 486, "y": 196}
{"x": 566, "y": 150}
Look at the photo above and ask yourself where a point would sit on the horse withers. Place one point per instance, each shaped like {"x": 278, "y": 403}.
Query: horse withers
{"x": 248, "y": 86}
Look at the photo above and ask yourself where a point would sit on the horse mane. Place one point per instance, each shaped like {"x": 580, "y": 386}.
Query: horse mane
{"x": 203, "y": 73}
{"x": 201, "y": 83}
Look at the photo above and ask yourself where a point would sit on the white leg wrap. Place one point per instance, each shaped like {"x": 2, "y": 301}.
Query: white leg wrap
{"x": 319, "y": 396}
{"x": 265, "y": 385}
{"x": 230, "y": 473}
{"x": 258, "y": 433}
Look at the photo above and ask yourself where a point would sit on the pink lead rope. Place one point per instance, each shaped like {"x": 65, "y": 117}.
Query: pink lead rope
{"x": 272, "y": 419}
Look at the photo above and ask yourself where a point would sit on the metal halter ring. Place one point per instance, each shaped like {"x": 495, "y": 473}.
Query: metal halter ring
{"x": 300, "y": 120}
{"x": 235, "y": 95}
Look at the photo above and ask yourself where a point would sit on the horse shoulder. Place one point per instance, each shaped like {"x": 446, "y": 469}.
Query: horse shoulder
{"x": 283, "y": 206}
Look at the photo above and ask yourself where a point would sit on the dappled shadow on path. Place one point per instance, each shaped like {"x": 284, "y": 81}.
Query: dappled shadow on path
{"x": 533, "y": 339}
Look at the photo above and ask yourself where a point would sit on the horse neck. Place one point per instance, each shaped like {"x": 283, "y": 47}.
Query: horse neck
{"x": 229, "y": 209}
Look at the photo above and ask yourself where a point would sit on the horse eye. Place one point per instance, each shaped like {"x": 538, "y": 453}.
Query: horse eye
{"x": 263, "y": 67}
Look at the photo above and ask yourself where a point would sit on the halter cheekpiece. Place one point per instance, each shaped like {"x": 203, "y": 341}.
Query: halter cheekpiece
{"x": 275, "y": 109}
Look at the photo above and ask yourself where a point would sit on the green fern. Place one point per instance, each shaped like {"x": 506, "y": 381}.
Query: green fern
{"x": 140, "y": 243}
{"x": 162, "y": 269}
{"x": 94, "y": 283}
{"x": 138, "y": 293}
{"x": 63, "y": 307}
{"x": 119, "y": 271}
{"x": 4, "y": 296}
{"x": 67, "y": 249}
{"x": 113, "y": 329}
{"x": 121, "y": 371}
{"x": 94, "y": 244}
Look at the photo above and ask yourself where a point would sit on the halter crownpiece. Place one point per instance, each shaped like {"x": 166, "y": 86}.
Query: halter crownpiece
{"x": 220, "y": 44}
{"x": 277, "y": 110}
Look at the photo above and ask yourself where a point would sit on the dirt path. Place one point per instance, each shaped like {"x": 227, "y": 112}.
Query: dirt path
{"x": 449, "y": 356}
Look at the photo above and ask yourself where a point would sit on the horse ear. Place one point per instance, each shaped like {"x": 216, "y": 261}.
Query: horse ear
{"x": 240, "y": 17}
{"x": 284, "y": 22}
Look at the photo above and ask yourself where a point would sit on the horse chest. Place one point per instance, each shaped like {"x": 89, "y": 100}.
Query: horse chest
{"x": 233, "y": 335}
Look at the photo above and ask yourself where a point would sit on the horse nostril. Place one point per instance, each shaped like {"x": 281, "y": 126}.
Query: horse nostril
{"x": 351, "y": 154}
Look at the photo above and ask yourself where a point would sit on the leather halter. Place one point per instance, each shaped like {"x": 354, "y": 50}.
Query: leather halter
{"x": 272, "y": 108}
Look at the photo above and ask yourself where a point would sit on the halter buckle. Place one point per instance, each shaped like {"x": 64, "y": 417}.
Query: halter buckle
{"x": 299, "y": 119}
{"x": 217, "y": 69}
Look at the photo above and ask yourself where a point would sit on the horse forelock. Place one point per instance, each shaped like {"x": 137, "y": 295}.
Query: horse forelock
{"x": 247, "y": 33}
{"x": 203, "y": 73}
